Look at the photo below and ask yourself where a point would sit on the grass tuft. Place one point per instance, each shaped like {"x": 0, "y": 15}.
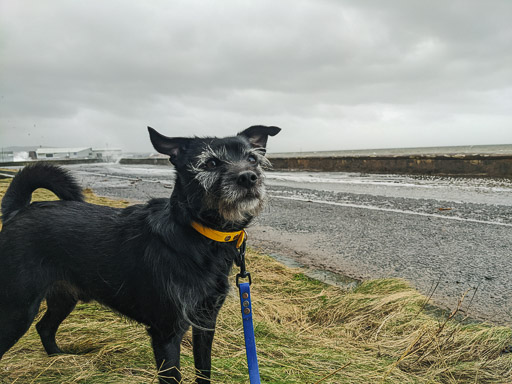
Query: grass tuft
{"x": 307, "y": 332}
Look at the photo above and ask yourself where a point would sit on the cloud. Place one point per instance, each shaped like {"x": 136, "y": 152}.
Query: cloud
{"x": 333, "y": 74}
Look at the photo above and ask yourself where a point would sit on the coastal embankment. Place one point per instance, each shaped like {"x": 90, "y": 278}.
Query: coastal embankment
{"x": 498, "y": 166}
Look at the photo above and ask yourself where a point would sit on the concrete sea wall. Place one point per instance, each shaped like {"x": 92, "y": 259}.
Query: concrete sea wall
{"x": 146, "y": 161}
{"x": 441, "y": 165}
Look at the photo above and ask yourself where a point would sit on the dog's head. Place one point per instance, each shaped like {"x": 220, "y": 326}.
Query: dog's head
{"x": 222, "y": 176}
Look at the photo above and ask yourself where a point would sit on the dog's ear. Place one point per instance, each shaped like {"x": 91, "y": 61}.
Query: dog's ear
{"x": 172, "y": 146}
{"x": 258, "y": 135}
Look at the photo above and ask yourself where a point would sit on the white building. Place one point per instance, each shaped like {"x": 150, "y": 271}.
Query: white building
{"x": 6, "y": 156}
{"x": 64, "y": 153}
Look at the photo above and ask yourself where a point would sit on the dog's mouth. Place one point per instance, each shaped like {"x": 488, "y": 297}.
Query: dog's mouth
{"x": 244, "y": 195}
{"x": 250, "y": 194}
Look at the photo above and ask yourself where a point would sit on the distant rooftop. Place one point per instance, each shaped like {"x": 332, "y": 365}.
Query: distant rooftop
{"x": 62, "y": 150}
{"x": 19, "y": 148}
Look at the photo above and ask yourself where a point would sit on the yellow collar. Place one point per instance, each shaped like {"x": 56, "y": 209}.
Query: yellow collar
{"x": 222, "y": 237}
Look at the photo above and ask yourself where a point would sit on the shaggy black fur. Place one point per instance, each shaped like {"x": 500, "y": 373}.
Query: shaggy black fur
{"x": 145, "y": 261}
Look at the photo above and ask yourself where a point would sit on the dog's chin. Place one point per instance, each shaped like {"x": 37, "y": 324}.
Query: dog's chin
{"x": 242, "y": 209}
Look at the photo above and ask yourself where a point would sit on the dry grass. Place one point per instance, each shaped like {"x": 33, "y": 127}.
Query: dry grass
{"x": 307, "y": 332}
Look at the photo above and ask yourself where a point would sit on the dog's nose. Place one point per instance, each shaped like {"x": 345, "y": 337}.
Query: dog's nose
{"x": 247, "y": 179}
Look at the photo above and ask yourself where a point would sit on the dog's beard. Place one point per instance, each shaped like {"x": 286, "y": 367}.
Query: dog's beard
{"x": 240, "y": 211}
{"x": 238, "y": 204}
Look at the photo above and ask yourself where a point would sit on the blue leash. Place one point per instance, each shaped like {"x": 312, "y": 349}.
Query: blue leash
{"x": 250, "y": 342}
{"x": 245, "y": 303}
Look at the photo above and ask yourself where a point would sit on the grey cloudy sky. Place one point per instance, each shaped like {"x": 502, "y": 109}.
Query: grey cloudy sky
{"x": 333, "y": 74}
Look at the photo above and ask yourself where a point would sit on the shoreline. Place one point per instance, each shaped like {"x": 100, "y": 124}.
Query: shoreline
{"x": 484, "y": 165}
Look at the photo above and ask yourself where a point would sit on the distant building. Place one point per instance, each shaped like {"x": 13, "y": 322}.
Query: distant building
{"x": 6, "y": 156}
{"x": 18, "y": 153}
{"x": 10, "y": 154}
{"x": 64, "y": 153}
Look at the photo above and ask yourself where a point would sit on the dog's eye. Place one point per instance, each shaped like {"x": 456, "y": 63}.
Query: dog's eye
{"x": 252, "y": 160}
{"x": 211, "y": 164}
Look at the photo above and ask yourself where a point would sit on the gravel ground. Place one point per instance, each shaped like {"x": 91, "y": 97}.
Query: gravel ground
{"x": 451, "y": 234}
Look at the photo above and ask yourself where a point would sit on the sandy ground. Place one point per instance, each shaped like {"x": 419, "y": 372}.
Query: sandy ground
{"x": 452, "y": 234}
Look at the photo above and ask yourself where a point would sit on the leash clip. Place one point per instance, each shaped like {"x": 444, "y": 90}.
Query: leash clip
{"x": 240, "y": 276}
{"x": 241, "y": 263}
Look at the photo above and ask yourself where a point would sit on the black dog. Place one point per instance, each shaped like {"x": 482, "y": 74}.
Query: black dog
{"x": 147, "y": 262}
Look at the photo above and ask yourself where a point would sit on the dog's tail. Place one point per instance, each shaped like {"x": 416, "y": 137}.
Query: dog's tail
{"x": 34, "y": 176}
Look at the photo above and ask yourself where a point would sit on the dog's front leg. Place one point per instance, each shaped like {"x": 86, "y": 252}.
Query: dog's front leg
{"x": 202, "y": 338}
{"x": 167, "y": 356}
{"x": 202, "y": 345}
